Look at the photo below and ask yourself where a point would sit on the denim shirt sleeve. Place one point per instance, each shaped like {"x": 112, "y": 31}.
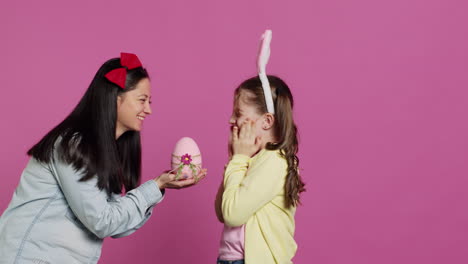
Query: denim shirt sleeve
{"x": 130, "y": 231}
{"x": 105, "y": 217}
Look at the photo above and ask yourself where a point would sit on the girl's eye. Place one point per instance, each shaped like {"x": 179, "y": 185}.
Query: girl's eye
{"x": 143, "y": 100}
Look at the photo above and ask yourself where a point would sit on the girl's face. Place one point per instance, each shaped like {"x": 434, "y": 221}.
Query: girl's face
{"x": 133, "y": 107}
{"x": 243, "y": 111}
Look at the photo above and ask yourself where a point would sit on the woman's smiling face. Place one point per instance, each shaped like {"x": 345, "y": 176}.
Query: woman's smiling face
{"x": 133, "y": 107}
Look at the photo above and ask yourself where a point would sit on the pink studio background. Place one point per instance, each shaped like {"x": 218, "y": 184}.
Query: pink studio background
{"x": 381, "y": 91}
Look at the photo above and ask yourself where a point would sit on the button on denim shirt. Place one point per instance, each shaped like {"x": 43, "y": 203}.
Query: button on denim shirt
{"x": 54, "y": 218}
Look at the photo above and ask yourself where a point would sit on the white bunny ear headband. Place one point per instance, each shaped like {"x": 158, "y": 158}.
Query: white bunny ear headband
{"x": 262, "y": 60}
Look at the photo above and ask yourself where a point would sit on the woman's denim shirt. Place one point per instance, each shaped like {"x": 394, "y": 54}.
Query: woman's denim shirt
{"x": 55, "y": 218}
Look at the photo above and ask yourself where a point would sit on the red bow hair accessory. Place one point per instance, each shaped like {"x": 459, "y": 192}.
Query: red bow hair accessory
{"x": 119, "y": 76}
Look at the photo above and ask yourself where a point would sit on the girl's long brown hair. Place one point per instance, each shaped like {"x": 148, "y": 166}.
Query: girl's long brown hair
{"x": 285, "y": 130}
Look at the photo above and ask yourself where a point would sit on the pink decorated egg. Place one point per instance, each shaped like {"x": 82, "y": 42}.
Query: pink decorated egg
{"x": 186, "y": 159}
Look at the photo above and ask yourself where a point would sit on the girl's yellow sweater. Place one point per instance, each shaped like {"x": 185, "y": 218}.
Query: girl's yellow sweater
{"x": 254, "y": 195}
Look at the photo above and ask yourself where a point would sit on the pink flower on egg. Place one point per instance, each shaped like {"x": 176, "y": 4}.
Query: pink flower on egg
{"x": 186, "y": 159}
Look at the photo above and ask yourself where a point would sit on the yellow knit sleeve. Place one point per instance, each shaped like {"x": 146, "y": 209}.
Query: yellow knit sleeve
{"x": 249, "y": 184}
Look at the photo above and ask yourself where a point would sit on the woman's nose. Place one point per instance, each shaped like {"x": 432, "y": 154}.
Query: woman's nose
{"x": 148, "y": 110}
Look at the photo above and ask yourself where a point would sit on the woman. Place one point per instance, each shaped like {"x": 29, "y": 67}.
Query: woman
{"x": 70, "y": 194}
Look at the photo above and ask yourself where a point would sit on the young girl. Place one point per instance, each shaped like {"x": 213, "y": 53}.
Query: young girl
{"x": 258, "y": 197}
{"x": 69, "y": 196}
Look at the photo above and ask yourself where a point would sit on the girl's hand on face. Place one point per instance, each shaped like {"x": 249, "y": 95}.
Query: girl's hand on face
{"x": 168, "y": 180}
{"x": 244, "y": 139}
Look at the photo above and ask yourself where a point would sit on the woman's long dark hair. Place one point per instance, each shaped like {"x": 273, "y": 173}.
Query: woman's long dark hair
{"x": 87, "y": 135}
{"x": 285, "y": 130}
